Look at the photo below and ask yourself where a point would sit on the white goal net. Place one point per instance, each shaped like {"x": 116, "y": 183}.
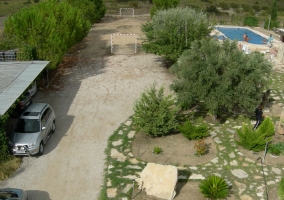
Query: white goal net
{"x": 123, "y": 43}
{"x": 126, "y": 12}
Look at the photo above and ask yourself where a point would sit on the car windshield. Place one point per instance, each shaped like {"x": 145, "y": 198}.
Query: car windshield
{"x": 27, "y": 126}
{"x": 8, "y": 195}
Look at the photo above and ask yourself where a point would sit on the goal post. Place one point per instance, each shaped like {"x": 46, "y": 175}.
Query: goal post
{"x": 123, "y": 43}
{"x": 126, "y": 9}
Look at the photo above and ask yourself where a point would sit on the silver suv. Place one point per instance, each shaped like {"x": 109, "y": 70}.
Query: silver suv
{"x": 33, "y": 129}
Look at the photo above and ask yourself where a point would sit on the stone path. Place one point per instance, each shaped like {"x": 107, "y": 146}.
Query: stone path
{"x": 238, "y": 170}
{"x": 243, "y": 173}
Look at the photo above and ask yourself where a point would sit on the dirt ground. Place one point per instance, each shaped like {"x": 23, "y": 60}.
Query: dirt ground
{"x": 177, "y": 150}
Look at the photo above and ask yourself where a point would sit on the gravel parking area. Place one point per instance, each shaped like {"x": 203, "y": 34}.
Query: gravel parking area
{"x": 91, "y": 96}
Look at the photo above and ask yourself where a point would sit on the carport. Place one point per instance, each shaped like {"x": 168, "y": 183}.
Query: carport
{"x": 15, "y": 78}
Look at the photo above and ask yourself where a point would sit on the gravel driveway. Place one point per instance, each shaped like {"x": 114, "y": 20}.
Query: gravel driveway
{"x": 91, "y": 98}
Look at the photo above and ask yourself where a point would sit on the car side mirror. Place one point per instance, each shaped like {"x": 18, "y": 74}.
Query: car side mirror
{"x": 43, "y": 128}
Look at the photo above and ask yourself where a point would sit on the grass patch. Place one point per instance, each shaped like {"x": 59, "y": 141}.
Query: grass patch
{"x": 8, "y": 168}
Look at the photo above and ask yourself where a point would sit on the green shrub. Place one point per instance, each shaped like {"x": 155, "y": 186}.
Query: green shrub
{"x": 246, "y": 7}
{"x": 255, "y": 140}
{"x": 281, "y": 189}
{"x": 157, "y": 150}
{"x": 276, "y": 149}
{"x": 224, "y": 5}
{"x": 154, "y": 113}
{"x": 200, "y": 147}
{"x": 251, "y": 21}
{"x": 234, "y": 6}
{"x": 256, "y": 8}
{"x": 214, "y": 187}
{"x": 212, "y": 9}
{"x": 192, "y": 132}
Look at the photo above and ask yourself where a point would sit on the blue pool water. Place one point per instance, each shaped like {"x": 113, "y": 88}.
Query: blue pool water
{"x": 237, "y": 34}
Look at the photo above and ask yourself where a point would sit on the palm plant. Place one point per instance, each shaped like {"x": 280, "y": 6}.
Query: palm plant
{"x": 214, "y": 187}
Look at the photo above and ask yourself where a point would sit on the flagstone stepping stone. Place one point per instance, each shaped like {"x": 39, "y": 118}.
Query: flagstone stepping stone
{"x": 213, "y": 134}
{"x": 192, "y": 168}
{"x": 127, "y": 123}
{"x": 117, "y": 143}
{"x": 249, "y": 160}
{"x": 196, "y": 177}
{"x": 111, "y": 192}
{"x": 117, "y": 155}
{"x": 234, "y": 163}
{"x": 133, "y": 167}
{"x": 133, "y": 161}
{"x": 131, "y": 134}
{"x": 217, "y": 140}
{"x": 127, "y": 188}
{"x": 270, "y": 182}
{"x": 131, "y": 177}
{"x": 239, "y": 173}
{"x": 215, "y": 160}
{"x": 230, "y": 130}
{"x": 232, "y": 155}
{"x": 276, "y": 170}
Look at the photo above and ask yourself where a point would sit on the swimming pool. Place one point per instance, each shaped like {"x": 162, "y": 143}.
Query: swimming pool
{"x": 237, "y": 34}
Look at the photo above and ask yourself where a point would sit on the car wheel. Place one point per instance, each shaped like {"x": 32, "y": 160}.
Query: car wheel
{"x": 53, "y": 127}
{"x": 41, "y": 148}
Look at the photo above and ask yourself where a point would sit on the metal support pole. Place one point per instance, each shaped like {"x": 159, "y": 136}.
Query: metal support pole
{"x": 269, "y": 22}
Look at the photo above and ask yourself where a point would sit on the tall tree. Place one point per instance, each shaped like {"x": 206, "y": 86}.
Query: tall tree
{"x": 274, "y": 19}
{"x": 171, "y": 31}
{"x": 221, "y": 76}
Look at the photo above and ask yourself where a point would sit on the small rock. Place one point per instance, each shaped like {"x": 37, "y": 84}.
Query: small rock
{"x": 111, "y": 192}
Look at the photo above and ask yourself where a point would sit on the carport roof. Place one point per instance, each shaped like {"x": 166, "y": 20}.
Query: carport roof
{"x": 15, "y": 77}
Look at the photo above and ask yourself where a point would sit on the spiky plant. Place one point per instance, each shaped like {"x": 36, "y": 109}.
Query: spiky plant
{"x": 214, "y": 187}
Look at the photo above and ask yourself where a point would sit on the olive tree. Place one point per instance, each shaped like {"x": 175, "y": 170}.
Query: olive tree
{"x": 172, "y": 31}
{"x": 221, "y": 76}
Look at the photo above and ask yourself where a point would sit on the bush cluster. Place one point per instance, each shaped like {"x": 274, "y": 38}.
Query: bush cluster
{"x": 154, "y": 113}
{"x": 251, "y": 21}
{"x": 192, "y": 132}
